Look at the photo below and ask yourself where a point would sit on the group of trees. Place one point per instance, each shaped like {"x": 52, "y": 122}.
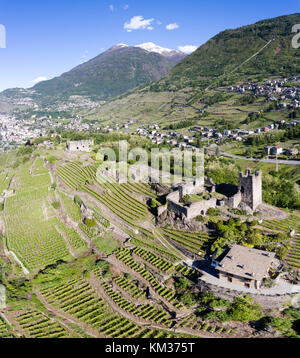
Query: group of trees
{"x": 281, "y": 192}
{"x": 242, "y": 309}
{"x": 179, "y": 125}
{"x": 252, "y": 117}
{"x": 233, "y": 231}
{"x": 288, "y": 323}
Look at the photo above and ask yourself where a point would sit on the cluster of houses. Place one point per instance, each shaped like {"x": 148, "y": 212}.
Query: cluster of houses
{"x": 178, "y": 140}
{"x": 77, "y": 125}
{"x": 275, "y": 90}
{"x": 237, "y": 134}
{"x": 157, "y": 137}
{"x": 118, "y": 127}
{"x": 14, "y": 131}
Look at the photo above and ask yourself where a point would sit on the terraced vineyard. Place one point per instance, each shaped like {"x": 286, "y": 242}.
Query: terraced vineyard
{"x": 72, "y": 209}
{"x": 5, "y": 330}
{"x": 125, "y": 256}
{"x": 129, "y": 210}
{"x": 190, "y": 241}
{"x": 75, "y": 176}
{"x": 293, "y": 257}
{"x": 194, "y": 323}
{"x": 146, "y": 311}
{"x": 74, "y": 240}
{"x": 29, "y": 233}
{"x": 38, "y": 325}
{"x": 146, "y": 239}
{"x": 38, "y": 167}
{"x": 291, "y": 223}
{"x": 129, "y": 287}
{"x": 187, "y": 272}
{"x": 154, "y": 260}
{"x": 78, "y": 299}
{"x": 113, "y": 196}
{"x": 100, "y": 277}
{"x": 139, "y": 188}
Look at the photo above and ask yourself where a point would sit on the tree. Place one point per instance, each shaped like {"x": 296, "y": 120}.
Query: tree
{"x": 244, "y": 309}
{"x": 56, "y": 205}
{"x": 186, "y": 199}
{"x": 77, "y": 200}
{"x": 182, "y": 284}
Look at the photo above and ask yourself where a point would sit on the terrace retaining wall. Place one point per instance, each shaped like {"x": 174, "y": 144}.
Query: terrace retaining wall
{"x": 266, "y": 301}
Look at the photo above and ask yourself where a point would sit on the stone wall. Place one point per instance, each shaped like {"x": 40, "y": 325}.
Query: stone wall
{"x": 194, "y": 187}
{"x": 264, "y": 300}
{"x": 233, "y": 201}
{"x": 80, "y": 146}
{"x": 178, "y": 209}
{"x": 200, "y": 208}
{"x": 190, "y": 212}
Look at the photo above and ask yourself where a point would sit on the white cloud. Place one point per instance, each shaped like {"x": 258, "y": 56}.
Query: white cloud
{"x": 39, "y": 79}
{"x": 159, "y": 22}
{"x": 111, "y": 7}
{"x": 138, "y": 23}
{"x": 172, "y": 26}
{"x": 187, "y": 48}
{"x": 125, "y": 7}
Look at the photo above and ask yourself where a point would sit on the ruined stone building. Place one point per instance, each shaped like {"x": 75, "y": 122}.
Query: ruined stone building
{"x": 247, "y": 195}
{"x": 80, "y": 145}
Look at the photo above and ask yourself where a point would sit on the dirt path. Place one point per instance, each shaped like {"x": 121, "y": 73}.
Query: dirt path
{"x": 166, "y": 244}
{"x": 7, "y": 253}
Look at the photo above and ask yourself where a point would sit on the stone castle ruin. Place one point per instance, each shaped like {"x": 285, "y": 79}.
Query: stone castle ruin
{"x": 247, "y": 195}
{"x": 80, "y": 145}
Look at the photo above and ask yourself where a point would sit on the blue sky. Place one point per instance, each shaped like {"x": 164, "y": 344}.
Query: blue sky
{"x": 47, "y": 38}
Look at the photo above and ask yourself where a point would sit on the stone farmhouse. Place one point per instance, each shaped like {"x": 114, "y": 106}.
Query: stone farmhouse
{"x": 80, "y": 145}
{"x": 247, "y": 195}
{"x": 245, "y": 266}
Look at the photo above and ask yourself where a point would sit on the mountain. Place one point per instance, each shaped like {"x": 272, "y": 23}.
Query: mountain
{"x": 256, "y": 52}
{"x": 106, "y": 76}
{"x": 174, "y": 55}
{"x": 261, "y": 50}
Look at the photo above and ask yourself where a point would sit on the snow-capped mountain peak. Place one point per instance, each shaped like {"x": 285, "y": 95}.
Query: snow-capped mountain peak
{"x": 151, "y": 47}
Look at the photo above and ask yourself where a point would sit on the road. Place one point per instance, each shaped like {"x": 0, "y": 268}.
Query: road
{"x": 279, "y": 161}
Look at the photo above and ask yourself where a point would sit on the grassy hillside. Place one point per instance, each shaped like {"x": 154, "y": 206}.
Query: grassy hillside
{"x": 218, "y": 63}
{"x": 223, "y": 53}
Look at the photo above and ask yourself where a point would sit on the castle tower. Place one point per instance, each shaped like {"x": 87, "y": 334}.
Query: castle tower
{"x": 250, "y": 186}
